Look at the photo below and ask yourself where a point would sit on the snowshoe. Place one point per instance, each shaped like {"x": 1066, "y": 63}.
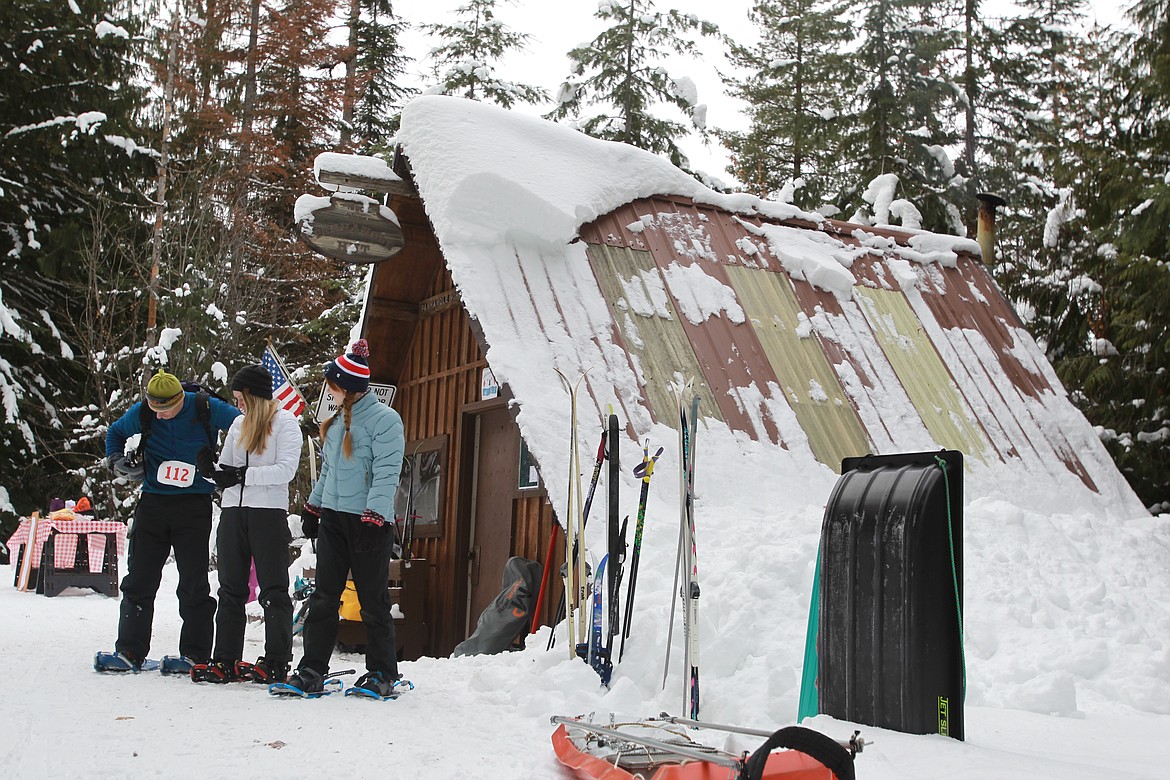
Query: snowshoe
{"x": 308, "y": 684}
{"x": 215, "y": 672}
{"x": 116, "y": 662}
{"x": 263, "y": 671}
{"x": 175, "y": 665}
{"x": 375, "y": 685}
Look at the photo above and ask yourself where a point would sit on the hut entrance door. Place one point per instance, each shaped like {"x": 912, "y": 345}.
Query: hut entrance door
{"x": 496, "y": 457}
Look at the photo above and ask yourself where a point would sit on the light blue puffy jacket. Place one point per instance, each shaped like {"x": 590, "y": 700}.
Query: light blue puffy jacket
{"x": 370, "y": 479}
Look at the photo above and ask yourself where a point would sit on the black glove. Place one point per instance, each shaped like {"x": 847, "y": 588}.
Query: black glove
{"x": 310, "y": 519}
{"x": 373, "y": 533}
{"x": 229, "y": 476}
{"x": 126, "y": 467}
{"x": 205, "y": 463}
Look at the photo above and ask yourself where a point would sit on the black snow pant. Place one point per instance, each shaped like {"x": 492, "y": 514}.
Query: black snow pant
{"x": 337, "y": 558}
{"x": 162, "y": 522}
{"x": 246, "y": 534}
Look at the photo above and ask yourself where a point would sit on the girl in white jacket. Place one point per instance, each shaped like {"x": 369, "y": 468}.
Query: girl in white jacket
{"x": 258, "y": 461}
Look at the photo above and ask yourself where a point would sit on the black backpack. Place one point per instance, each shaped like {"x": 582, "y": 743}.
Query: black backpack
{"x": 202, "y": 412}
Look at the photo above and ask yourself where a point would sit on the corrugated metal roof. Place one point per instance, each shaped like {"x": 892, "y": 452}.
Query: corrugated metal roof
{"x": 790, "y": 360}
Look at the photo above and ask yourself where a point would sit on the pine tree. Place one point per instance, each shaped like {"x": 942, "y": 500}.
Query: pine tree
{"x": 618, "y": 74}
{"x": 908, "y": 114}
{"x": 69, "y": 129}
{"x": 379, "y": 62}
{"x": 465, "y": 62}
{"x": 1121, "y": 145}
{"x": 794, "y": 99}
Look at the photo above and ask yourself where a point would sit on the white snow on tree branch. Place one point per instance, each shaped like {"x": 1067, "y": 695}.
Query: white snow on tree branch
{"x": 906, "y": 213}
{"x": 684, "y": 88}
{"x": 880, "y": 194}
{"x": 105, "y": 28}
{"x": 1064, "y": 211}
{"x": 86, "y": 122}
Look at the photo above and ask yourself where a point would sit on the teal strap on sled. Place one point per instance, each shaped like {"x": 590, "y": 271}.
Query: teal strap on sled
{"x": 808, "y": 680}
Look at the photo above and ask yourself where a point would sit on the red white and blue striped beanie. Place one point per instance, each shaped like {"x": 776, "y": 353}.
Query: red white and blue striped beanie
{"x": 351, "y": 371}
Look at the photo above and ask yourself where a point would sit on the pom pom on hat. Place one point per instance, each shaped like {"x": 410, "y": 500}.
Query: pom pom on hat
{"x": 255, "y": 379}
{"x": 351, "y": 371}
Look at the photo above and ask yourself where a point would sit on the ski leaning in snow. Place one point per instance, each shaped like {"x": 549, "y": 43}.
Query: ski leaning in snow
{"x": 330, "y": 685}
{"x": 560, "y": 614}
{"x": 644, "y": 470}
{"x": 598, "y": 655}
{"x": 576, "y": 581}
{"x": 118, "y": 663}
{"x": 616, "y": 544}
{"x": 686, "y": 560}
{"x": 398, "y": 687}
{"x": 691, "y": 595}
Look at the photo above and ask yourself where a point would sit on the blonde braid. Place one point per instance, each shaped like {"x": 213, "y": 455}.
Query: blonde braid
{"x": 346, "y": 409}
{"x": 347, "y": 442}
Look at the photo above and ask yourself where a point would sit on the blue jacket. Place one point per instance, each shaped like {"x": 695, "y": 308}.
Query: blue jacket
{"x": 370, "y": 479}
{"x": 178, "y": 439}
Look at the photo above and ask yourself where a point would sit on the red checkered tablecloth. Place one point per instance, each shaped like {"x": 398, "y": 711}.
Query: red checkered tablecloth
{"x": 68, "y": 532}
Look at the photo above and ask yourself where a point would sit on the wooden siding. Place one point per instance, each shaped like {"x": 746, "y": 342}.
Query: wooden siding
{"x": 831, "y": 423}
{"x": 438, "y": 376}
{"x": 922, "y": 372}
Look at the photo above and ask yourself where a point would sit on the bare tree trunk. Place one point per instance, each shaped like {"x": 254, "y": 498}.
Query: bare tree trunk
{"x": 160, "y": 196}
{"x": 970, "y": 86}
{"x": 248, "y": 111}
{"x": 349, "y": 98}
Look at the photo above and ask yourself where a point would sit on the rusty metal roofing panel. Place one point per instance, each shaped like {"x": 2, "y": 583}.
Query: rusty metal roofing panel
{"x": 657, "y": 344}
{"x": 960, "y": 313}
{"x": 922, "y": 372}
{"x": 975, "y": 317}
{"x": 809, "y": 383}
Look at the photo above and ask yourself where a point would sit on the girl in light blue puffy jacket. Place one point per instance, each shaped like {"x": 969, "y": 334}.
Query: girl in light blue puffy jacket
{"x": 351, "y": 513}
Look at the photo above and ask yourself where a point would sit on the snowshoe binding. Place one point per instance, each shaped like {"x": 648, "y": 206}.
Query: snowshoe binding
{"x": 117, "y": 662}
{"x": 175, "y": 665}
{"x": 377, "y": 685}
{"x": 215, "y": 672}
{"x": 309, "y": 684}
{"x": 264, "y": 672}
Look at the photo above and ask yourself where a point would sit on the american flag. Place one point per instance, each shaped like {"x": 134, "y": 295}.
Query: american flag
{"x": 283, "y": 390}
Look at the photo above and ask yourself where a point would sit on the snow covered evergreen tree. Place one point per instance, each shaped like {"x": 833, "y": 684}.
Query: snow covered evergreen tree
{"x": 69, "y": 129}
{"x": 792, "y": 89}
{"x": 1121, "y": 147}
{"x": 908, "y": 113}
{"x": 376, "y": 96}
{"x": 464, "y": 63}
{"x": 619, "y": 76}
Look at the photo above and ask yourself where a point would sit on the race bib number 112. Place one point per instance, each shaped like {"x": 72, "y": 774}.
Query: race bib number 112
{"x": 177, "y": 473}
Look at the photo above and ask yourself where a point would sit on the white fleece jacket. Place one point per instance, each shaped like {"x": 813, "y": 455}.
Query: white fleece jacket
{"x": 269, "y": 472}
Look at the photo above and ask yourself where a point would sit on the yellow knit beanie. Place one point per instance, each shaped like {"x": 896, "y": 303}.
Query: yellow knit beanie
{"x": 163, "y": 392}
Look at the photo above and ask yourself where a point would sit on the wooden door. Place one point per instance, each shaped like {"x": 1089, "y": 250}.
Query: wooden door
{"x": 496, "y": 455}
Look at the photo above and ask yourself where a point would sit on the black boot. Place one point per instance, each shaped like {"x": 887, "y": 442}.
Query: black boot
{"x": 263, "y": 671}
{"x": 306, "y": 681}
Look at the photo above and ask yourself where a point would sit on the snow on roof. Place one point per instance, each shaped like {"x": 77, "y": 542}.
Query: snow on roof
{"x": 508, "y": 196}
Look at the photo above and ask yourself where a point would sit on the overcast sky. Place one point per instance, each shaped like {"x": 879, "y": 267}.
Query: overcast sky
{"x": 559, "y": 25}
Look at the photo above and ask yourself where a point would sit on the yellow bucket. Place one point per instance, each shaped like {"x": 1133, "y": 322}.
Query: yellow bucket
{"x": 350, "y": 608}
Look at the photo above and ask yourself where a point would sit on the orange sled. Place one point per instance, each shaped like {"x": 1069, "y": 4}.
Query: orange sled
{"x": 623, "y": 751}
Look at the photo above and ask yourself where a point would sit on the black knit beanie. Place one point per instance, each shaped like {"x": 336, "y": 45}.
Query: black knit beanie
{"x": 255, "y": 379}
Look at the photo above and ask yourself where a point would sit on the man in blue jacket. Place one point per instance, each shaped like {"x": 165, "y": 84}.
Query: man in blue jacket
{"x": 173, "y": 512}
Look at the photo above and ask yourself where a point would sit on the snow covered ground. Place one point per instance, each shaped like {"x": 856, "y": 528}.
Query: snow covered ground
{"x": 1068, "y": 653}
